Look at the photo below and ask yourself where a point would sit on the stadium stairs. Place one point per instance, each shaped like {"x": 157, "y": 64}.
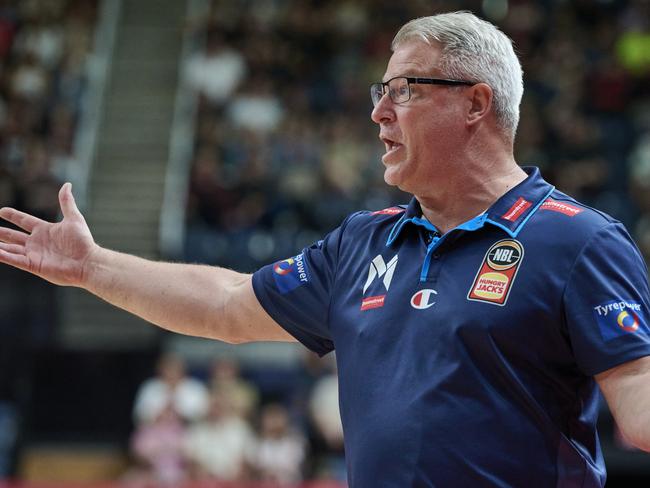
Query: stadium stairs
{"x": 127, "y": 179}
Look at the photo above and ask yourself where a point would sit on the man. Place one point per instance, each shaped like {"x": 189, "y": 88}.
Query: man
{"x": 468, "y": 326}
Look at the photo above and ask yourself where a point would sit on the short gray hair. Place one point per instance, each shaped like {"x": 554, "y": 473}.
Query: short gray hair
{"x": 475, "y": 50}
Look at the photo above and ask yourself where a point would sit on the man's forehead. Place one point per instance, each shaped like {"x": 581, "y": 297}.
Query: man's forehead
{"x": 412, "y": 58}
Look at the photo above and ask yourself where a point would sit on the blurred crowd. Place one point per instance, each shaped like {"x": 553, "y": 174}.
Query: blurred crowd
{"x": 284, "y": 147}
{"x": 225, "y": 429}
{"x": 44, "y": 45}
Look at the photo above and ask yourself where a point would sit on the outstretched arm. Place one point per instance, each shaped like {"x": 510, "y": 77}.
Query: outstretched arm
{"x": 191, "y": 299}
{"x": 627, "y": 390}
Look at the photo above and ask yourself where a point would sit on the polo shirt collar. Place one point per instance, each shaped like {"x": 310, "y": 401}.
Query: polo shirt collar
{"x": 509, "y": 213}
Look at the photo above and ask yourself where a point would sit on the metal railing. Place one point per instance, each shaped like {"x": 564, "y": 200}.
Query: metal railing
{"x": 98, "y": 67}
{"x": 181, "y": 148}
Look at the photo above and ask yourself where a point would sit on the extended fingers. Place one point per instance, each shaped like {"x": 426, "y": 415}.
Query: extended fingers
{"x": 12, "y": 248}
{"x": 12, "y": 236}
{"x": 21, "y": 219}
{"x": 13, "y": 255}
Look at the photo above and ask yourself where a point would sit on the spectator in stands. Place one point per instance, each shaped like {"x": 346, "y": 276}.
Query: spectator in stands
{"x": 280, "y": 450}
{"x": 216, "y": 72}
{"x": 225, "y": 378}
{"x": 217, "y": 446}
{"x": 157, "y": 446}
{"x": 171, "y": 386}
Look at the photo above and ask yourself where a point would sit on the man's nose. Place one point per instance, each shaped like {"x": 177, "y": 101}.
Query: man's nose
{"x": 383, "y": 111}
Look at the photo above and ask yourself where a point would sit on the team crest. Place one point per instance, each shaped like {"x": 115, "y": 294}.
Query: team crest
{"x": 497, "y": 273}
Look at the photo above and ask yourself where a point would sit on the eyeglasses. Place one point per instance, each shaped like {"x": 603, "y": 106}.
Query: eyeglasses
{"x": 399, "y": 88}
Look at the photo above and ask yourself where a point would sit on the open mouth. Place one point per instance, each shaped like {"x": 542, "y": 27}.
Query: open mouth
{"x": 390, "y": 144}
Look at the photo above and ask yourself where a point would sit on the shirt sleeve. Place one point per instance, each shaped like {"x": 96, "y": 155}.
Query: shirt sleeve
{"x": 606, "y": 302}
{"x": 297, "y": 291}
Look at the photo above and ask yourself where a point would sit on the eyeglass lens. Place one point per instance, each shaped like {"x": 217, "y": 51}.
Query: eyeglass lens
{"x": 398, "y": 90}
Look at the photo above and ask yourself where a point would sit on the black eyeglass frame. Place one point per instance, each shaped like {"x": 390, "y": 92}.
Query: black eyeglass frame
{"x": 413, "y": 81}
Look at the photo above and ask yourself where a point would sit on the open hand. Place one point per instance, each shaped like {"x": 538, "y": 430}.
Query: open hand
{"x": 57, "y": 252}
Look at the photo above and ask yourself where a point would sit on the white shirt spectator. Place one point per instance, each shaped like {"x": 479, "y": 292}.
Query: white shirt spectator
{"x": 189, "y": 398}
{"x": 219, "y": 448}
{"x": 216, "y": 75}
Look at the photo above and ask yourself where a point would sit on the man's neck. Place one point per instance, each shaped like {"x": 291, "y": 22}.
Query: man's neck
{"x": 468, "y": 195}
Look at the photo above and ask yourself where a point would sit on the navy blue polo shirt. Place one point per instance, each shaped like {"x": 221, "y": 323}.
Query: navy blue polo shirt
{"x": 467, "y": 359}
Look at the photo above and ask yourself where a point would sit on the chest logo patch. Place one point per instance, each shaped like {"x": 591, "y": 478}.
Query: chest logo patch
{"x": 378, "y": 270}
{"x": 497, "y": 273}
{"x": 423, "y": 299}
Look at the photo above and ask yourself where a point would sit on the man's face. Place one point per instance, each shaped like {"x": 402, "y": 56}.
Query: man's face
{"x": 420, "y": 135}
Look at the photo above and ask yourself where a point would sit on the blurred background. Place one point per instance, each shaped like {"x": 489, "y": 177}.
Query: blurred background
{"x": 234, "y": 133}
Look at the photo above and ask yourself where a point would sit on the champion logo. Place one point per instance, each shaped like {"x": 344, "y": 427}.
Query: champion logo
{"x": 423, "y": 299}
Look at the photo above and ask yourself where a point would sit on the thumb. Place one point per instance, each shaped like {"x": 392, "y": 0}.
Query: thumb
{"x": 66, "y": 200}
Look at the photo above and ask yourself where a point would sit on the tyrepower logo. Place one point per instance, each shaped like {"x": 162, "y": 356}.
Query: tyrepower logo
{"x": 382, "y": 271}
{"x": 618, "y": 318}
{"x": 290, "y": 273}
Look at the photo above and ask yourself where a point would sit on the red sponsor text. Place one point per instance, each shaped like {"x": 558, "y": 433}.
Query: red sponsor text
{"x": 389, "y": 211}
{"x": 516, "y": 210}
{"x": 563, "y": 208}
{"x": 372, "y": 302}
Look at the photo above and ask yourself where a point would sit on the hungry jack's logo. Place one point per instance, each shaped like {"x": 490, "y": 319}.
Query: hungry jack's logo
{"x": 497, "y": 273}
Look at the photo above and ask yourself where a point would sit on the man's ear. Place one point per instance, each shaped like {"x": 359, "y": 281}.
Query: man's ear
{"x": 480, "y": 97}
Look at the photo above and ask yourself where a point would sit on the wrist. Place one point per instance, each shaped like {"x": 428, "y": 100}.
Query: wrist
{"x": 94, "y": 262}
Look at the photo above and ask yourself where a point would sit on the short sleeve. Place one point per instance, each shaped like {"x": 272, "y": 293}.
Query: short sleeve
{"x": 606, "y": 302}
{"x": 297, "y": 291}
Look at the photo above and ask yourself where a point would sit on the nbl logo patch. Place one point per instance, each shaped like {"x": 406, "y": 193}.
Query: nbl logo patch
{"x": 290, "y": 273}
{"x": 497, "y": 273}
{"x": 618, "y": 318}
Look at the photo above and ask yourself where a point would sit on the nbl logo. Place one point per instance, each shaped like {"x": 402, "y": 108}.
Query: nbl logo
{"x": 494, "y": 279}
{"x": 504, "y": 256}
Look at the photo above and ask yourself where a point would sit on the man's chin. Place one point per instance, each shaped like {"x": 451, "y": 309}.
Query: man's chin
{"x": 392, "y": 176}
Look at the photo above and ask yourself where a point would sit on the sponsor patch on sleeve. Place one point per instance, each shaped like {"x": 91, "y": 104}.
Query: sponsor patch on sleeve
{"x": 290, "y": 273}
{"x": 561, "y": 207}
{"x": 618, "y": 318}
{"x": 497, "y": 273}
